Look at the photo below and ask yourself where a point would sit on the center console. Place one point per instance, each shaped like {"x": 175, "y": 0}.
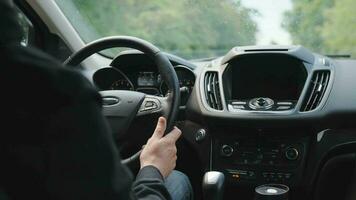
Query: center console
{"x": 255, "y": 159}
{"x": 261, "y": 109}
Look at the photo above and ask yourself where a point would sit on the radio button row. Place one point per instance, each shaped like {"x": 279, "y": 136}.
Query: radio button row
{"x": 276, "y": 176}
{"x": 284, "y": 107}
{"x": 285, "y": 103}
{"x": 240, "y": 107}
{"x": 242, "y": 174}
{"x": 238, "y": 103}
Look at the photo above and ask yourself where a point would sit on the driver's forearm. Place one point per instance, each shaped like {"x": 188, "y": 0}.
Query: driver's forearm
{"x": 149, "y": 184}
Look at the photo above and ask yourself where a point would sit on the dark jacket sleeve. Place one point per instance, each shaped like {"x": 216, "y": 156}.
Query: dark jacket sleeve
{"x": 149, "y": 184}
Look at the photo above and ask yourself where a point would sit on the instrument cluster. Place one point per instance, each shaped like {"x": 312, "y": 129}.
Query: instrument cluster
{"x": 145, "y": 79}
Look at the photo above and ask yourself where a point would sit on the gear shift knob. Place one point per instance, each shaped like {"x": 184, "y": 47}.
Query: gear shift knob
{"x": 213, "y": 185}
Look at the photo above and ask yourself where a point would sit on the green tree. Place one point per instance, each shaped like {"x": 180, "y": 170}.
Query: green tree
{"x": 190, "y": 28}
{"x": 325, "y": 26}
{"x": 339, "y": 29}
{"x": 304, "y": 22}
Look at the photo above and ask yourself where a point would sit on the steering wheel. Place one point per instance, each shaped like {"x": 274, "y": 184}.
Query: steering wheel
{"x": 120, "y": 107}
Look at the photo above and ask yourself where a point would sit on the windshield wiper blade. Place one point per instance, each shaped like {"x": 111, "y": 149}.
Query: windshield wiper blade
{"x": 204, "y": 59}
{"x": 339, "y": 56}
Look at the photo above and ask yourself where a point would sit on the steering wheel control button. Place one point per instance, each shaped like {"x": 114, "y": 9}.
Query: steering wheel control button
{"x": 261, "y": 103}
{"x": 150, "y": 105}
{"x": 226, "y": 150}
{"x": 291, "y": 153}
{"x": 200, "y": 135}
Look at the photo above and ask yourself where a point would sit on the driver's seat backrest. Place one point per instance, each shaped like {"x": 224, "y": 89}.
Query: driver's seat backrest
{"x": 336, "y": 177}
{"x": 3, "y": 195}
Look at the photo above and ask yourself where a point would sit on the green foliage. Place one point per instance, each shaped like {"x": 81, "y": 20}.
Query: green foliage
{"x": 304, "y": 22}
{"x": 339, "y": 29}
{"x": 325, "y": 26}
{"x": 189, "y": 28}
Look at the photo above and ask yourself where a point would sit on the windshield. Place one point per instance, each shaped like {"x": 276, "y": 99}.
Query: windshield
{"x": 209, "y": 28}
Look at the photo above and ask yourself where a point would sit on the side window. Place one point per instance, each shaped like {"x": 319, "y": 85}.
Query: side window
{"x": 26, "y": 28}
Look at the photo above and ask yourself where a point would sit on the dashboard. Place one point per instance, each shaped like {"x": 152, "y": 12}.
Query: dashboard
{"x": 252, "y": 85}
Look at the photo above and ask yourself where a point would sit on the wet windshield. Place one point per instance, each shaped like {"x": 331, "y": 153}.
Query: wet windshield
{"x": 207, "y": 28}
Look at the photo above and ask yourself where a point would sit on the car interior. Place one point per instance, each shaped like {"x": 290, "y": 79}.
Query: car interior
{"x": 254, "y": 115}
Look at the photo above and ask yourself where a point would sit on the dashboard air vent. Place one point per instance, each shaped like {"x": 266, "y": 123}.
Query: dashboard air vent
{"x": 212, "y": 91}
{"x": 316, "y": 90}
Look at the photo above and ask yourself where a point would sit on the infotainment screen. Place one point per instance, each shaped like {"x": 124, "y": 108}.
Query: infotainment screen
{"x": 277, "y": 79}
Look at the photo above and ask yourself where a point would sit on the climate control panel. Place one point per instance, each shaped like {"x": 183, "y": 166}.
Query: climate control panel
{"x": 260, "y": 159}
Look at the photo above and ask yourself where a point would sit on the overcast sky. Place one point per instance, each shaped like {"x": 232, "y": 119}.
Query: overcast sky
{"x": 270, "y": 19}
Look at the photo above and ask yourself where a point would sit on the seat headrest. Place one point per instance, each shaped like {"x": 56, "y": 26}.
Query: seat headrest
{"x": 9, "y": 24}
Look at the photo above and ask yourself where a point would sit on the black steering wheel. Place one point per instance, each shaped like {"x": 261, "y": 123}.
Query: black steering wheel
{"x": 121, "y": 106}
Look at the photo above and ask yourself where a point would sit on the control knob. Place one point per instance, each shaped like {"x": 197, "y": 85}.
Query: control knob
{"x": 226, "y": 150}
{"x": 291, "y": 153}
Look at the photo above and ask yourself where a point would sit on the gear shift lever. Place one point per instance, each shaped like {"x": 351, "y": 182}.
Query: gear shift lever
{"x": 213, "y": 185}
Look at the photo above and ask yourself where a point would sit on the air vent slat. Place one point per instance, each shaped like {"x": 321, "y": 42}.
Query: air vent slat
{"x": 327, "y": 77}
{"x": 316, "y": 90}
{"x": 206, "y": 89}
{"x": 215, "y": 85}
{"x": 319, "y": 90}
{"x": 212, "y": 91}
{"x": 312, "y": 95}
{"x": 217, "y": 92}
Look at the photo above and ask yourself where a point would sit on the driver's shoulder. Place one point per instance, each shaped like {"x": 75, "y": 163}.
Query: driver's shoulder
{"x": 14, "y": 53}
{"x": 43, "y": 76}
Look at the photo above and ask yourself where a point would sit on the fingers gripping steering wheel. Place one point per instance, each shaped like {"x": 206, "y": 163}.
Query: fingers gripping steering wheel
{"x": 120, "y": 107}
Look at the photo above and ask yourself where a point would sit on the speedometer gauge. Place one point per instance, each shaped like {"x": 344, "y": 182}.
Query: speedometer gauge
{"x": 186, "y": 79}
{"x": 110, "y": 78}
{"x": 121, "y": 84}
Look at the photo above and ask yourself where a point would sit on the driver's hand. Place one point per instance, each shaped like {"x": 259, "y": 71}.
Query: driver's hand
{"x": 159, "y": 151}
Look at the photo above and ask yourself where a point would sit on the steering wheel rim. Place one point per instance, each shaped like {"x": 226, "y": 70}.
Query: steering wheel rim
{"x": 165, "y": 68}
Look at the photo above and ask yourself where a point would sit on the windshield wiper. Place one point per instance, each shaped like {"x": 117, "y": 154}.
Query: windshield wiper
{"x": 339, "y": 56}
{"x": 204, "y": 59}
